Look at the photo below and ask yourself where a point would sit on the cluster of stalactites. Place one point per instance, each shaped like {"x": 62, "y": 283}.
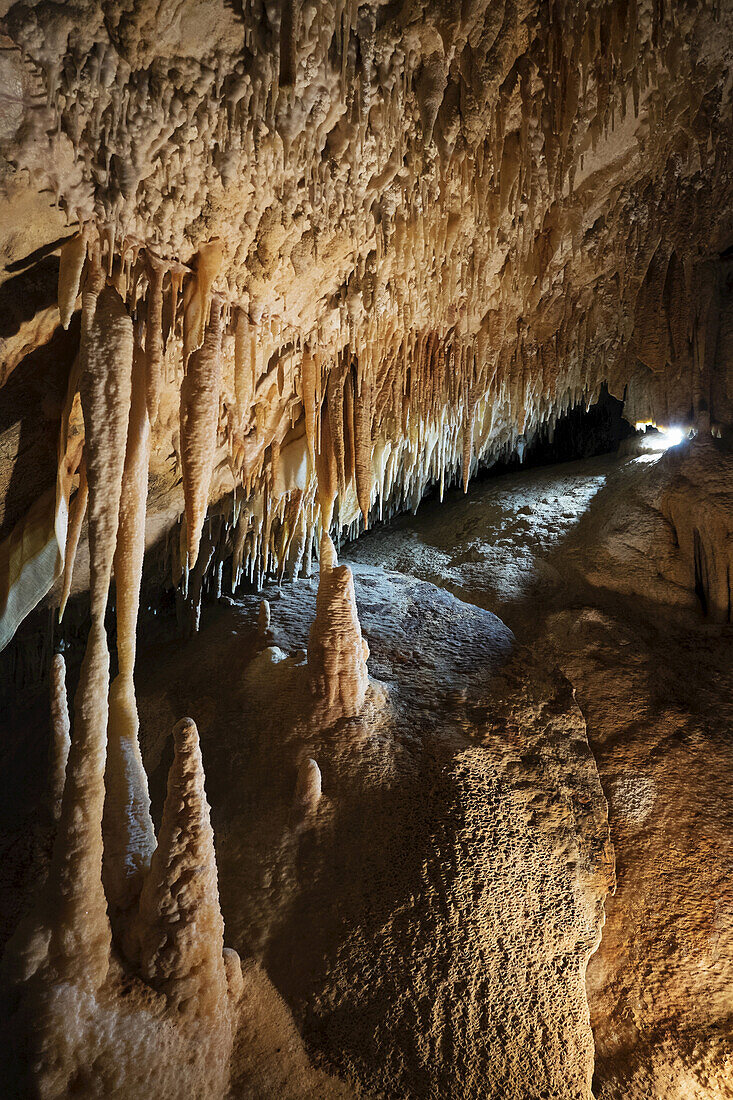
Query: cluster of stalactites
{"x": 372, "y": 438}
{"x": 401, "y": 386}
{"x": 343, "y": 78}
{"x": 109, "y": 882}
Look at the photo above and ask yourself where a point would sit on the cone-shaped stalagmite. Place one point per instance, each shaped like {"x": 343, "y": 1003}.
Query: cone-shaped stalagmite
{"x": 307, "y": 788}
{"x": 199, "y": 419}
{"x": 181, "y": 927}
{"x": 337, "y": 652}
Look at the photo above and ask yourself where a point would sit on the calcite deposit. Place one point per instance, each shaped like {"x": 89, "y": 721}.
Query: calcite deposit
{"x": 424, "y": 232}
{"x": 270, "y": 274}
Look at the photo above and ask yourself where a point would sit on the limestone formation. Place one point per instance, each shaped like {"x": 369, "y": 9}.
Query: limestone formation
{"x": 199, "y": 418}
{"x": 307, "y": 789}
{"x": 337, "y": 653}
{"x": 60, "y": 734}
{"x": 271, "y": 274}
{"x": 129, "y": 839}
{"x": 181, "y": 929}
{"x": 428, "y": 236}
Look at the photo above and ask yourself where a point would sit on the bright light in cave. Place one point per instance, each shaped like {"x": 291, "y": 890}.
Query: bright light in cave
{"x": 663, "y": 439}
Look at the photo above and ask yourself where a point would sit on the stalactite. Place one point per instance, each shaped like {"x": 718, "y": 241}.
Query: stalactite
{"x": 243, "y": 377}
{"x": 154, "y": 334}
{"x": 60, "y": 734}
{"x": 363, "y": 446}
{"x": 77, "y": 511}
{"x": 80, "y": 938}
{"x": 335, "y": 399}
{"x": 326, "y": 469}
{"x": 73, "y": 256}
{"x": 308, "y": 367}
{"x": 197, "y": 303}
{"x": 199, "y": 420}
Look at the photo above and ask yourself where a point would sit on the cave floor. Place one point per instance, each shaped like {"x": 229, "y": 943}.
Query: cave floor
{"x": 649, "y": 691}
{"x": 655, "y": 685}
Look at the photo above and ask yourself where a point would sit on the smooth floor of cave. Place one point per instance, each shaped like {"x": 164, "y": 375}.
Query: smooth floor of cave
{"x": 654, "y": 686}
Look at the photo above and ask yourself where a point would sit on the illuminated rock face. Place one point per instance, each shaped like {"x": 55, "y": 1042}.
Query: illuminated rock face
{"x": 423, "y": 233}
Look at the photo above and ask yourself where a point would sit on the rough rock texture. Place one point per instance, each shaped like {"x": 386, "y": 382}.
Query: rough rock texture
{"x": 431, "y": 918}
{"x": 654, "y": 681}
{"x": 330, "y": 255}
{"x": 430, "y": 227}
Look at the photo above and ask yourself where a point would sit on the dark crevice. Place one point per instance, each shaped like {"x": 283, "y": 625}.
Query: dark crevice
{"x": 702, "y": 582}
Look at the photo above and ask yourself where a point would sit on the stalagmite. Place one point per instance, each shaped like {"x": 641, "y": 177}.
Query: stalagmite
{"x": 263, "y": 619}
{"x": 199, "y": 419}
{"x": 80, "y": 935}
{"x": 337, "y": 653}
{"x": 181, "y": 927}
{"x": 129, "y": 839}
{"x": 60, "y": 734}
{"x": 307, "y": 789}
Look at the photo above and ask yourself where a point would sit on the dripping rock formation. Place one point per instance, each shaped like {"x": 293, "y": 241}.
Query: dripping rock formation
{"x": 450, "y": 817}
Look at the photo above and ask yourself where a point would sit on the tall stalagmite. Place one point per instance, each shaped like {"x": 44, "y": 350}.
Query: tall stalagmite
{"x": 181, "y": 927}
{"x": 337, "y": 653}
